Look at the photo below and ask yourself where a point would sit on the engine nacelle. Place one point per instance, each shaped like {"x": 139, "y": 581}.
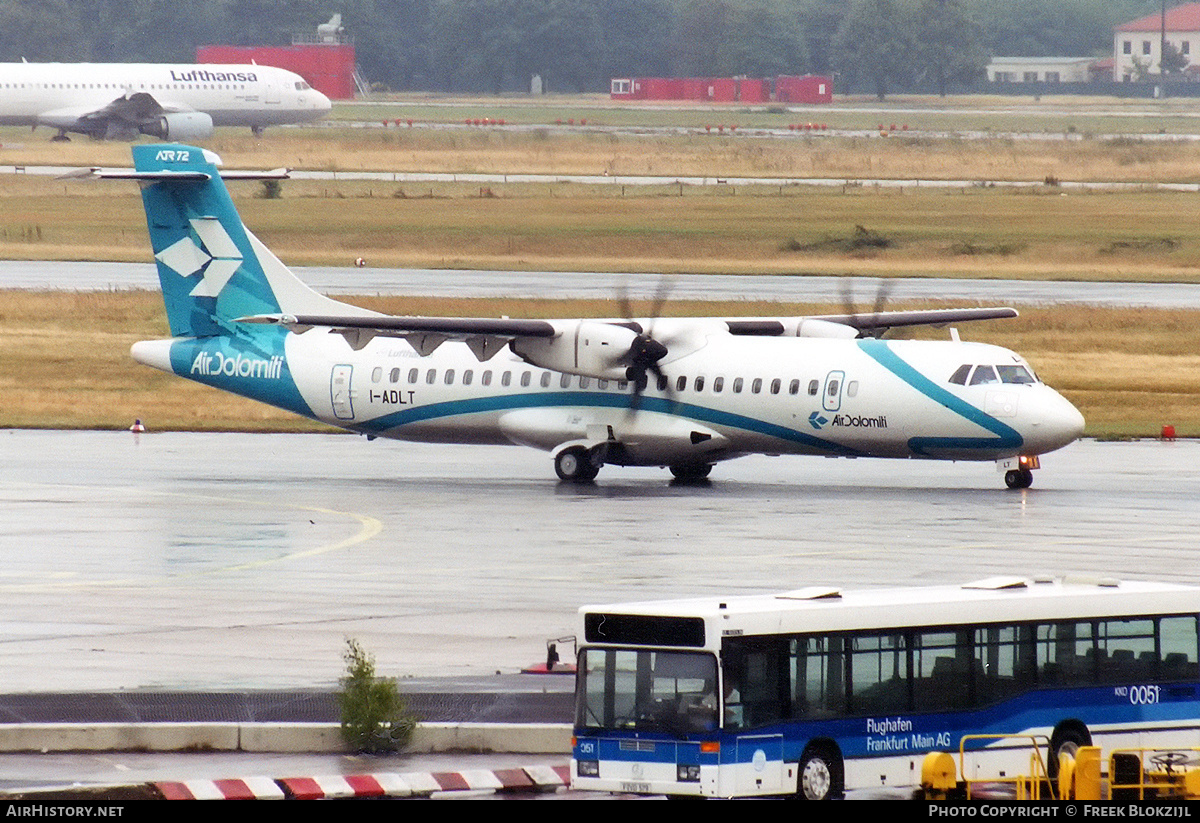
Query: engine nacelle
{"x": 582, "y": 347}
{"x": 812, "y": 327}
{"x": 180, "y": 125}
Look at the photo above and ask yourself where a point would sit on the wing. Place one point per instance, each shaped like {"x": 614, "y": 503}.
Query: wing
{"x": 870, "y": 324}
{"x": 485, "y": 336}
{"x": 131, "y": 115}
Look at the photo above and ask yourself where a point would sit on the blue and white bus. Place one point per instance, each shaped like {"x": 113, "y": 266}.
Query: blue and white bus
{"x": 817, "y": 692}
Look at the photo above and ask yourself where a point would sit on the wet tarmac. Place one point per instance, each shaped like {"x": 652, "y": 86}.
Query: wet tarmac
{"x": 87, "y": 276}
{"x": 234, "y": 561}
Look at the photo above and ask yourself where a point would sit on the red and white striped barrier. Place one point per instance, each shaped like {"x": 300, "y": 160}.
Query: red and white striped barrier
{"x": 531, "y": 779}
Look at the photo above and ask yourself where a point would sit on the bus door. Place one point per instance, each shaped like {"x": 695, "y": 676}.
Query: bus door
{"x": 759, "y": 760}
{"x": 339, "y": 392}
{"x": 832, "y": 396}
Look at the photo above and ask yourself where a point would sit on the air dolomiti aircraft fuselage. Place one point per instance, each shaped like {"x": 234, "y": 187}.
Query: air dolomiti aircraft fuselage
{"x": 168, "y": 101}
{"x": 681, "y": 393}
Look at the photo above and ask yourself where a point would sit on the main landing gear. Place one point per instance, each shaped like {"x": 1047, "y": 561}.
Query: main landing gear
{"x": 576, "y": 464}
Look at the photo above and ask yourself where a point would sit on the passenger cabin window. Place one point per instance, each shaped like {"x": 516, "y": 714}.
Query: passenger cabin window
{"x": 449, "y": 377}
{"x": 525, "y": 378}
{"x": 431, "y": 376}
{"x": 794, "y": 387}
{"x": 718, "y": 384}
{"x": 584, "y": 382}
{"x": 394, "y": 376}
{"x": 545, "y": 380}
{"x": 756, "y": 385}
{"x": 413, "y": 375}
{"x": 564, "y": 381}
{"x": 737, "y": 385}
{"x": 486, "y": 378}
{"x": 699, "y": 384}
{"x": 814, "y": 386}
{"x": 852, "y": 388}
{"x": 377, "y": 374}
{"x": 681, "y": 383}
{"x": 775, "y": 385}
{"x": 506, "y": 378}
{"x": 467, "y": 376}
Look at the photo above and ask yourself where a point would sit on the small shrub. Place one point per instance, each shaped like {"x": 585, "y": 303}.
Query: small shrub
{"x": 271, "y": 190}
{"x": 375, "y": 718}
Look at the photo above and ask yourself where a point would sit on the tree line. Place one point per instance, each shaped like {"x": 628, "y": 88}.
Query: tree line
{"x": 578, "y": 45}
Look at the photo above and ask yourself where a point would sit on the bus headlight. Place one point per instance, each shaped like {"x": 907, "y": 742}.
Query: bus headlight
{"x": 587, "y": 768}
{"x": 687, "y": 774}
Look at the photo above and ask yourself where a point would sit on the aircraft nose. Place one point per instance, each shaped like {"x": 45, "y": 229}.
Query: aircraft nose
{"x": 322, "y": 103}
{"x": 1056, "y": 423}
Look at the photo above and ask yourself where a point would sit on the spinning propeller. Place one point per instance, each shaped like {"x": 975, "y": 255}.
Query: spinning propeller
{"x": 645, "y": 352}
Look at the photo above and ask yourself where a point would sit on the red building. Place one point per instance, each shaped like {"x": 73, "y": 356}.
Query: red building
{"x": 328, "y": 67}
{"x": 786, "y": 89}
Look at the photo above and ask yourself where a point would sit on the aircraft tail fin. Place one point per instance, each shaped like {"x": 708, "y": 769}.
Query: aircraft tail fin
{"x": 211, "y": 268}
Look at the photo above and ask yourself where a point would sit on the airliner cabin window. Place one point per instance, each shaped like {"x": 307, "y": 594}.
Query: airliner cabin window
{"x": 506, "y": 378}
{"x": 377, "y": 374}
{"x": 394, "y": 376}
{"x": 486, "y": 378}
{"x": 718, "y": 384}
{"x": 775, "y": 384}
{"x": 813, "y": 387}
{"x": 467, "y": 375}
{"x": 852, "y": 388}
{"x": 794, "y": 387}
{"x": 525, "y": 378}
{"x": 412, "y": 375}
{"x": 737, "y": 385}
{"x": 756, "y": 385}
{"x": 699, "y": 384}
{"x": 449, "y": 377}
{"x": 545, "y": 380}
{"x": 431, "y": 376}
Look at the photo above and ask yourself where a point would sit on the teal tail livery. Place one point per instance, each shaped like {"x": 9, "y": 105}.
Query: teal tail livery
{"x": 682, "y": 393}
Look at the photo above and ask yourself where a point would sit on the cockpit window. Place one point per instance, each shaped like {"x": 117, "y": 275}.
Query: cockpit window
{"x": 984, "y": 375}
{"x": 960, "y": 374}
{"x": 1015, "y": 374}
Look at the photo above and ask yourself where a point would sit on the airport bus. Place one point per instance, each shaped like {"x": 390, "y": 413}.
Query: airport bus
{"x": 817, "y": 692}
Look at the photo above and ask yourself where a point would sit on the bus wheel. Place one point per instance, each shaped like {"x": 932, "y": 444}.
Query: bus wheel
{"x": 820, "y": 774}
{"x": 1068, "y": 737}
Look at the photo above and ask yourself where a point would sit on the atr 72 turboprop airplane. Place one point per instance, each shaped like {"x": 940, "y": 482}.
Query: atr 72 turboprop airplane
{"x": 120, "y": 101}
{"x": 681, "y": 393}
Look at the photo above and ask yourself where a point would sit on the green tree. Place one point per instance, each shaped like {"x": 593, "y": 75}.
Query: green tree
{"x": 873, "y": 44}
{"x": 375, "y": 718}
{"x": 1173, "y": 60}
{"x": 947, "y": 43}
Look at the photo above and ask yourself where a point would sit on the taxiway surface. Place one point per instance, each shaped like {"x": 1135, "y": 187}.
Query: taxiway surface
{"x": 236, "y": 561}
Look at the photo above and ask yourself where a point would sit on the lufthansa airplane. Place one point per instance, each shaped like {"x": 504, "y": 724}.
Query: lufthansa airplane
{"x": 673, "y": 392}
{"x": 170, "y": 102}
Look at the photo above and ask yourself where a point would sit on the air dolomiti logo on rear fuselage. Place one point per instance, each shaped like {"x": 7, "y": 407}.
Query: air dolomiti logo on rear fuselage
{"x": 211, "y": 364}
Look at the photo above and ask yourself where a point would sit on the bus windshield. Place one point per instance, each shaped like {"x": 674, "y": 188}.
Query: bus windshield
{"x": 642, "y": 690}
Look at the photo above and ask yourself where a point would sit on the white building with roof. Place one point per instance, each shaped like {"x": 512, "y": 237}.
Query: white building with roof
{"x": 1039, "y": 69}
{"x": 1137, "y": 45}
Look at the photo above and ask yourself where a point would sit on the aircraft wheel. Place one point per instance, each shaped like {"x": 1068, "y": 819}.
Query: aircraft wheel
{"x": 575, "y": 464}
{"x": 691, "y": 471}
{"x": 1018, "y": 478}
